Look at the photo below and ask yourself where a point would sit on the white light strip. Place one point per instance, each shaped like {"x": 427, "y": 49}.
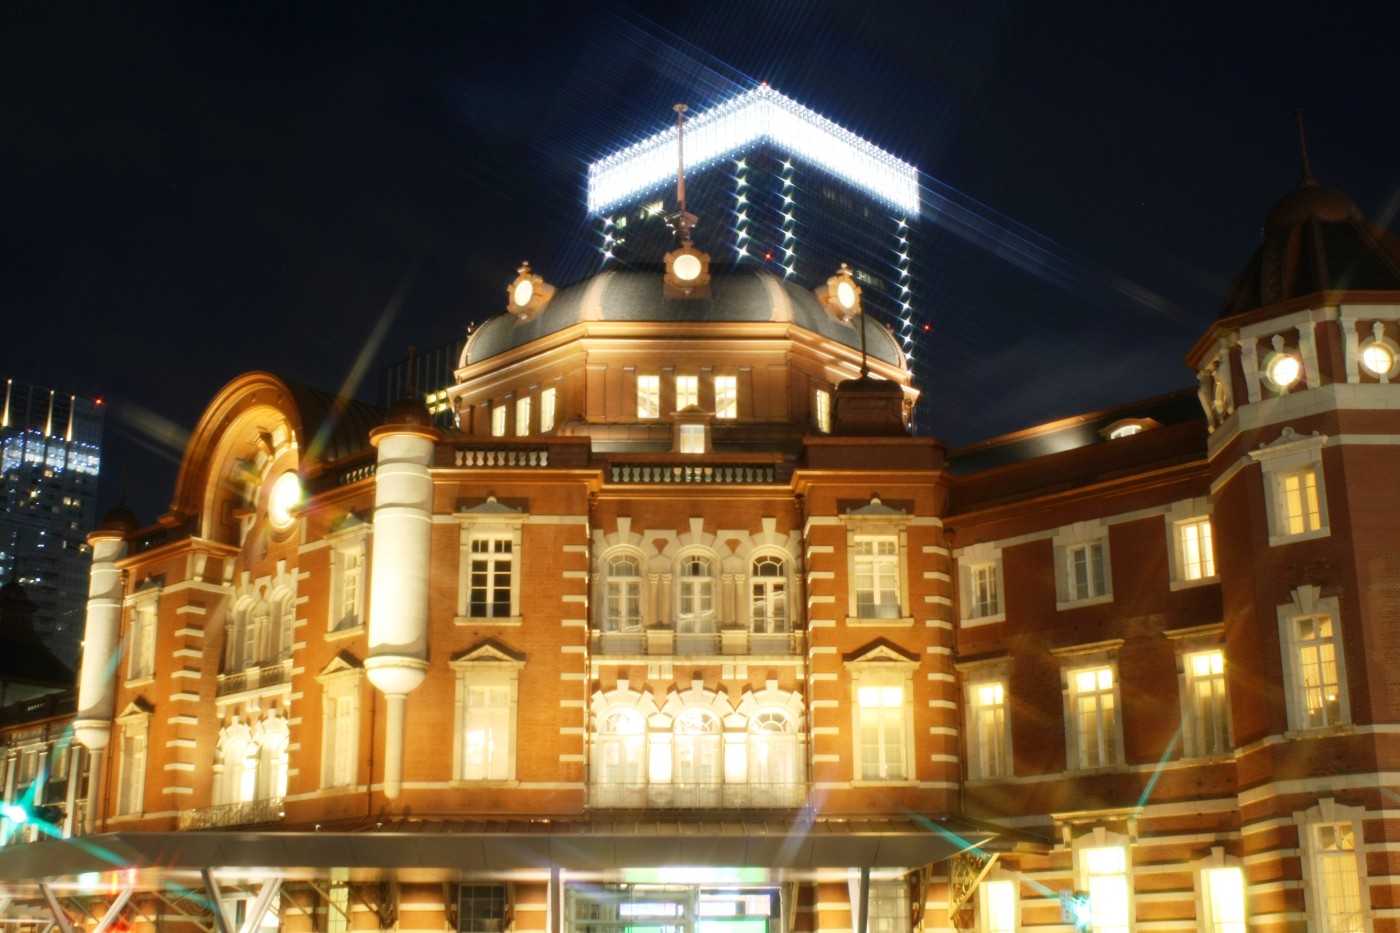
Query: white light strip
{"x": 760, "y": 114}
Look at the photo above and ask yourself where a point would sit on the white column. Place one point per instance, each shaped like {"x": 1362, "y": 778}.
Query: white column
{"x": 97, "y": 682}
{"x": 398, "y": 597}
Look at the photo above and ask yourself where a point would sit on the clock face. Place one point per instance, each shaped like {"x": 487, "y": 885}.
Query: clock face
{"x": 846, "y": 295}
{"x": 1284, "y": 370}
{"x": 285, "y": 496}
{"x": 686, "y": 267}
{"x": 1377, "y": 358}
{"x": 522, "y": 293}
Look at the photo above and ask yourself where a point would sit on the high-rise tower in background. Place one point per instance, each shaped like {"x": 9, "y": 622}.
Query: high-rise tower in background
{"x": 775, "y": 185}
{"x": 50, "y": 453}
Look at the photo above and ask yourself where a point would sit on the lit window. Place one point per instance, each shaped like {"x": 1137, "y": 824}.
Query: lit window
{"x": 985, "y": 597}
{"x": 889, "y": 906}
{"x": 821, "y": 411}
{"x": 548, "y": 400}
{"x": 692, "y": 438}
{"x": 880, "y": 730}
{"x": 347, "y": 587}
{"x": 1224, "y": 900}
{"x": 1197, "y": 549}
{"x": 522, "y": 416}
{"x": 988, "y": 757}
{"x": 648, "y": 396}
{"x": 1208, "y": 711}
{"x": 697, "y": 762}
{"x": 1378, "y": 358}
{"x": 877, "y": 576}
{"x": 1298, "y": 509}
{"x": 498, "y": 420}
{"x": 340, "y": 724}
{"x": 1336, "y": 878}
{"x": 131, "y": 769}
{"x": 1093, "y": 708}
{"x": 687, "y": 392}
{"x": 996, "y": 907}
{"x": 490, "y": 575}
{"x": 1283, "y": 370}
{"x": 695, "y": 595}
{"x": 768, "y": 592}
{"x": 774, "y": 760}
{"x": 1315, "y": 658}
{"x": 726, "y": 397}
{"x": 1084, "y": 569}
{"x": 487, "y": 708}
{"x": 1104, "y": 871}
{"x": 619, "y": 775}
{"x": 622, "y": 609}
{"x": 141, "y": 651}
{"x": 1127, "y": 430}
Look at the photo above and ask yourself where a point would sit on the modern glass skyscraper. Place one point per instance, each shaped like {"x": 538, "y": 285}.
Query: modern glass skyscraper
{"x": 50, "y": 454}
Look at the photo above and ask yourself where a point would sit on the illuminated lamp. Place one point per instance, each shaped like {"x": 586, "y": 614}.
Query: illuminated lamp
{"x": 840, "y": 295}
{"x": 528, "y": 294}
{"x": 282, "y": 499}
{"x": 687, "y": 273}
{"x": 1284, "y": 370}
{"x": 1379, "y": 354}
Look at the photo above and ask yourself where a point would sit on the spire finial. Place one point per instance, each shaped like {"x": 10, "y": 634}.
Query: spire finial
{"x": 682, "y": 221}
{"x": 1307, "y": 180}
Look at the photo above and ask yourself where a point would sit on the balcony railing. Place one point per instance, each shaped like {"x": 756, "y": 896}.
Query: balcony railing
{"x": 694, "y": 644}
{"x": 501, "y": 456}
{"x": 247, "y": 813}
{"x": 746, "y": 796}
{"x": 268, "y": 675}
{"x": 692, "y": 473}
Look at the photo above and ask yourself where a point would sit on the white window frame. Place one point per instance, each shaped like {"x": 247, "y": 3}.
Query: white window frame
{"x": 348, "y": 567}
{"x": 133, "y": 747}
{"x": 141, "y": 639}
{"x": 486, "y": 666}
{"x": 889, "y": 910}
{"x": 767, "y": 591}
{"x": 1219, "y": 910}
{"x": 821, "y": 410}
{"x": 1075, "y": 663}
{"x": 727, "y": 397}
{"x": 702, "y": 591}
{"x": 498, "y": 419}
{"x": 522, "y": 416}
{"x": 691, "y": 438}
{"x": 869, "y": 523}
{"x": 1087, "y": 880}
{"x": 341, "y": 689}
{"x": 648, "y": 396}
{"x": 620, "y": 589}
{"x": 987, "y": 760}
{"x": 984, "y": 558}
{"x": 1292, "y": 457}
{"x": 1328, "y": 815}
{"x": 687, "y": 392}
{"x": 1203, "y": 678}
{"x": 1299, "y": 656}
{"x": 1087, "y": 538}
{"x": 489, "y": 523}
{"x": 1188, "y": 550}
{"x": 549, "y": 405}
{"x": 881, "y": 670}
{"x": 998, "y": 903}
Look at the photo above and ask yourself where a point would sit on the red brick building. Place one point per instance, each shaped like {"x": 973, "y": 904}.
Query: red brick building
{"x": 681, "y": 629}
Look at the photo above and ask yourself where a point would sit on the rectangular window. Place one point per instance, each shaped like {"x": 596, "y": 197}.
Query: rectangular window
{"x": 996, "y": 907}
{"x": 1094, "y": 708}
{"x": 481, "y": 908}
{"x": 347, "y": 601}
{"x": 985, "y": 598}
{"x": 486, "y": 733}
{"x": 1084, "y": 567}
{"x": 1106, "y": 882}
{"x": 131, "y": 780}
{"x": 141, "y": 662}
{"x": 1197, "y": 549}
{"x": 549, "y": 398}
{"x": 726, "y": 397}
{"x": 881, "y": 727}
{"x": 648, "y": 396}
{"x": 1315, "y": 655}
{"x": 687, "y": 392}
{"x": 1336, "y": 881}
{"x": 692, "y": 438}
{"x": 988, "y": 730}
{"x": 522, "y": 417}
{"x": 1298, "y": 508}
{"x": 1208, "y": 727}
{"x": 489, "y": 580}
{"x": 889, "y": 907}
{"x": 1224, "y": 900}
{"x": 498, "y": 420}
{"x": 821, "y": 411}
{"x": 877, "y": 576}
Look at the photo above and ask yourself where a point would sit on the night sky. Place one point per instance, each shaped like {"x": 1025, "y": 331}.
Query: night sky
{"x": 190, "y": 191}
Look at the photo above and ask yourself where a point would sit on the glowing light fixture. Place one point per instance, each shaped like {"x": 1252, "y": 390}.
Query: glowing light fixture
{"x": 1284, "y": 370}
{"x": 686, "y": 267}
{"x": 285, "y": 496}
{"x": 529, "y": 293}
{"x": 761, "y": 114}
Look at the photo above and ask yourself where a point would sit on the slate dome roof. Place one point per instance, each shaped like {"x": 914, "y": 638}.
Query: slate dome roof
{"x": 736, "y": 295}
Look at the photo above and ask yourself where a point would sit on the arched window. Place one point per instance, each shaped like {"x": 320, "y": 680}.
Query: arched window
{"x": 697, "y": 768}
{"x": 280, "y": 647}
{"x": 773, "y": 761}
{"x": 620, "y": 777}
{"x": 622, "y": 600}
{"x": 695, "y": 595}
{"x": 768, "y": 584}
{"x": 256, "y": 633}
{"x": 237, "y": 655}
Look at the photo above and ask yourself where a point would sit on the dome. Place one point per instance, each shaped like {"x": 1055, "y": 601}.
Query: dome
{"x": 1315, "y": 239}
{"x": 119, "y": 518}
{"x": 737, "y": 294}
{"x": 409, "y": 410}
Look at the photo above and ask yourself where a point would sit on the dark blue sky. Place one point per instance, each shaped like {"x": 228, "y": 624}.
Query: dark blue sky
{"x": 192, "y": 191}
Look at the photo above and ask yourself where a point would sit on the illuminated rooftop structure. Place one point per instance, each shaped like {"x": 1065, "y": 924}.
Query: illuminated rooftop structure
{"x": 778, "y": 186}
